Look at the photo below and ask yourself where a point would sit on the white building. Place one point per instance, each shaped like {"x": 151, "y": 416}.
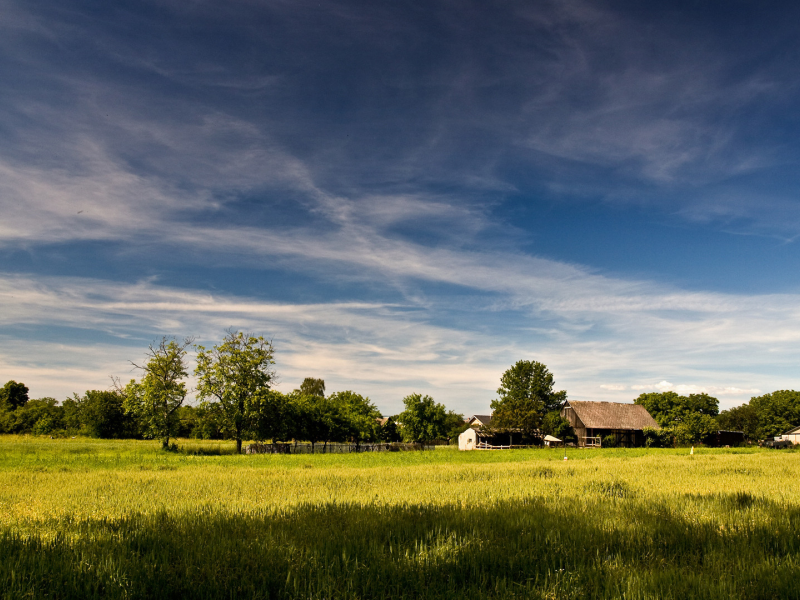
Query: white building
{"x": 793, "y": 435}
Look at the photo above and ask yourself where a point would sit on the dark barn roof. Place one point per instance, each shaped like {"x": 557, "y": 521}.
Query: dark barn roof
{"x": 484, "y": 419}
{"x": 612, "y": 415}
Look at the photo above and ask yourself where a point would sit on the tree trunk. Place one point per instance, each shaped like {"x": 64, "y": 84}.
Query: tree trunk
{"x": 239, "y": 446}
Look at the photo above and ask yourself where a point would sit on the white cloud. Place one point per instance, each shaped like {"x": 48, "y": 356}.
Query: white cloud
{"x": 389, "y": 350}
{"x": 684, "y": 389}
{"x": 613, "y": 387}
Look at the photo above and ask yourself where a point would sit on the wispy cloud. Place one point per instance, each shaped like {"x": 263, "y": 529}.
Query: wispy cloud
{"x": 380, "y": 158}
{"x": 392, "y": 348}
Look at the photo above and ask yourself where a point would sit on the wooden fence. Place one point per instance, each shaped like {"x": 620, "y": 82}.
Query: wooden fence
{"x": 332, "y": 448}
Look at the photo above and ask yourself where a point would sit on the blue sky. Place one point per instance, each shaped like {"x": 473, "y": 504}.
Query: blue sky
{"x": 406, "y": 197}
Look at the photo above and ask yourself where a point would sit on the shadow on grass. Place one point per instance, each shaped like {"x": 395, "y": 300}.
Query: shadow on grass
{"x": 531, "y": 549}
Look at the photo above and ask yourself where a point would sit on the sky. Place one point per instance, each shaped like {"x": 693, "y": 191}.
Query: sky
{"x": 405, "y": 196}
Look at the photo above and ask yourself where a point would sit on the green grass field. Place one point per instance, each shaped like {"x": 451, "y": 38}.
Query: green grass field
{"x": 96, "y": 518}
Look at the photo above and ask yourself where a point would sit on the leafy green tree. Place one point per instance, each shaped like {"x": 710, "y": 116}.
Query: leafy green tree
{"x": 71, "y": 409}
{"x": 318, "y": 419}
{"x": 742, "y": 418}
{"x": 557, "y": 426}
{"x": 358, "y": 415}
{"x": 389, "y": 431}
{"x": 525, "y": 396}
{"x": 669, "y": 408}
{"x": 694, "y": 428}
{"x": 204, "y": 422}
{"x": 423, "y": 419}
{"x": 455, "y": 425}
{"x": 312, "y": 387}
{"x": 154, "y": 399}
{"x": 42, "y": 416}
{"x": 276, "y": 416}
{"x": 103, "y": 415}
{"x": 13, "y": 395}
{"x": 233, "y": 375}
{"x": 777, "y": 412}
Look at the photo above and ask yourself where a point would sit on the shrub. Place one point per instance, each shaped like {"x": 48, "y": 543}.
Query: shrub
{"x": 658, "y": 438}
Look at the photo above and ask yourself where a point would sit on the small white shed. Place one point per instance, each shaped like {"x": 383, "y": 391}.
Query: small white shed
{"x": 468, "y": 440}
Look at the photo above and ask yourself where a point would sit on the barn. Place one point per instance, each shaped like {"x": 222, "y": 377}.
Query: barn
{"x": 593, "y": 421}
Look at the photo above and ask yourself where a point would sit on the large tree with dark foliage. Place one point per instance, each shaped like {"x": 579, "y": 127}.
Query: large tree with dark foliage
{"x": 102, "y": 414}
{"x": 526, "y": 396}
{"x": 742, "y": 418}
{"x": 777, "y": 412}
{"x": 670, "y": 409}
{"x": 13, "y": 395}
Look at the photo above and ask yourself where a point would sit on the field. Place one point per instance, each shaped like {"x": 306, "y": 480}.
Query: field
{"x": 89, "y": 518}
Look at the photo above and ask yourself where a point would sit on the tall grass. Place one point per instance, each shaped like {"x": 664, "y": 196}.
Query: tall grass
{"x": 121, "y": 520}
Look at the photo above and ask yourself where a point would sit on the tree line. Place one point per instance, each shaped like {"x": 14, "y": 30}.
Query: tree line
{"x": 692, "y": 419}
{"x": 237, "y": 401}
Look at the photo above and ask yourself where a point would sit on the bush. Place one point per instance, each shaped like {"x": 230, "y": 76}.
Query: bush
{"x": 610, "y": 441}
{"x": 657, "y": 438}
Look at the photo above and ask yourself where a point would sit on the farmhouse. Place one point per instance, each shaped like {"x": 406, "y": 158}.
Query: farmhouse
{"x": 793, "y": 435}
{"x": 593, "y": 421}
{"x": 478, "y": 421}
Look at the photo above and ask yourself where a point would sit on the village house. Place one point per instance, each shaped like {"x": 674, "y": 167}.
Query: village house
{"x": 793, "y": 435}
{"x": 478, "y": 421}
{"x": 593, "y": 421}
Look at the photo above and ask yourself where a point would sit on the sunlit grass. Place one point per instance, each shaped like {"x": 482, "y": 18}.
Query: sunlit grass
{"x": 109, "y": 518}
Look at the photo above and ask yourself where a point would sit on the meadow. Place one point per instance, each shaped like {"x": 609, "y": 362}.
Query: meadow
{"x": 84, "y": 518}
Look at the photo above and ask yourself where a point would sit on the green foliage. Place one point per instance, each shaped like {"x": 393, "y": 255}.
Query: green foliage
{"x": 13, "y": 395}
{"x": 390, "y": 432}
{"x": 694, "y": 428}
{"x": 102, "y": 414}
{"x": 234, "y": 374}
{"x": 359, "y": 415}
{"x": 154, "y": 399}
{"x": 742, "y": 418}
{"x": 72, "y": 415}
{"x": 668, "y": 408}
{"x": 276, "y": 416}
{"x": 455, "y": 425}
{"x": 557, "y": 426}
{"x": 200, "y": 422}
{"x": 525, "y": 396}
{"x": 423, "y": 419}
{"x": 610, "y": 441}
{"x": 41, "y": 417}
{"x": 312, "y": 387}
{"x": 777, "y": 412}
{"x": 658, "y": 437}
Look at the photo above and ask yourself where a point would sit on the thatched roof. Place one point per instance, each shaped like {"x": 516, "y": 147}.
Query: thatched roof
{"x": 612, "y": 415}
